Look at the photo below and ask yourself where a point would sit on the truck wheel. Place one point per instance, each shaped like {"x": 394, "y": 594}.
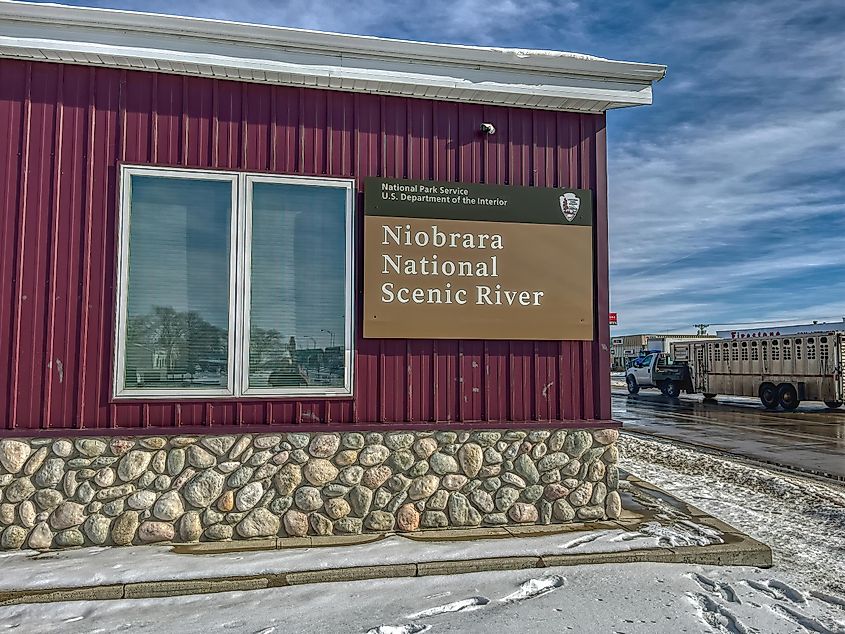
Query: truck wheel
{"x": 833, "y": 404}
{"x": 769, "y": 395}
{"x": 633, "y": 388}
{"x": 673, "y": 389}
{"x": 788, "y": 397}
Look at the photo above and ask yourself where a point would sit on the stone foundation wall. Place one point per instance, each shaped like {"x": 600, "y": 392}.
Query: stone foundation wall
{"x": 60, "y": 492}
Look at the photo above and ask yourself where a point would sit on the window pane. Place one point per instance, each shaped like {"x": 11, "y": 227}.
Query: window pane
{"x": 178, "y": 295}
{"x": 298, "y": 269}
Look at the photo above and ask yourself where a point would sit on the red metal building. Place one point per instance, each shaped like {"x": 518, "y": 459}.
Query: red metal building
{"x": 78, "y": 101}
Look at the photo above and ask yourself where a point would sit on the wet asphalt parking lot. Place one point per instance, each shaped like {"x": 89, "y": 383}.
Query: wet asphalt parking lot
{"x": 810, "y": 439}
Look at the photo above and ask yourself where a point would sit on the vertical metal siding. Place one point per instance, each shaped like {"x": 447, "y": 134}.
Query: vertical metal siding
{"x": 64, "y": 129}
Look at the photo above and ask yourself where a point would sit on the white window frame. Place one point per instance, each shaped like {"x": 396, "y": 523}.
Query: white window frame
{"x": 246, "y": 292}
{"x": 240, "y": 250}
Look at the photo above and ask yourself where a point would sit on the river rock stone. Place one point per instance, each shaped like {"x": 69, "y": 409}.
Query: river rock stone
{"x": 190, "y": 527}
{"x": 599, "y": 493}
{"x": 7, "y": 514}
{"x": 553, "y": 461}
{"x": 458, "y": 508}
{"x": 360, "y": 499}
{"x": 151, "y": 532}
{"x": 581, "y": 495}
{"x": 350, "y": 476}
{"x": 296, "y": 523}
{"x": 434, "y": 519}
{"x": 407, "y": 518}
{"x": 606, "y": 436}
{"x": 35, "y": 461}
{"x": 199, "y": 458}
{"x": 376, "y": 476}
{"x": 62, "y": 448}
{"x": 20, "y": 490}
{"x": 438, "y": 501}
{"x": 483, "y": 501}
{"x": 85, "y": 493}
{"x": 226, "y": 502}
{"x": 337, "y": 508}
{"x": 471, "y": 458}
{"x": 90, "y": 447}
{"x": 324, "y": 445}
{"x": 349, "y": 525}
{"x": 105, "y": 477}
{"x": 531, "y": 493}
{"x": 590, "y": 513}
{"x": 119, "y": 446}
{"x": 513, "y": 479}
{"x": 613, "y": 505}
{"x": 353, "y": 440}
{"x": 571, "y": 468}
{"x": 373, "y": 455}
{"x": 562, "y": 511}
{"x": 319, "y": 471}
{"x": 506, "y": 497}
{"x": 67, "y": 515}
{"x": 346, "y": 457}
{"x": 96, "y": 528}
{"x": 525, "y": 468}
{"x": 219, "y": 532}
{"x": 379, "y": 521}
{"x": 27, "y": 514}
{"x": 218, "y": 444}
{"x": 50, "y": 474}
{"x": 555, "y": 491}
{"x": 577, "y": 442}
{"x": 424, "y": 448}
{"x": 13, "y": 537}
{"x": 133, "y": 464}
{"x": 454, "y": 481}
{"x": 259, "y": 522}
{"x": 169, "y": 507}
{"x": 611, "y": 455}
{"x": 239, "y": 447}
{"x": 203, "y": 489}
{"x": 443, "y": 464}
{"x": 240, "y": 477}
{"x": 523, "y": 513}
{"x": 41, "y": 537}
{"x": 308, "y": 498}
{"x": 595, "y": 471}
{"x": 13, "y": 455}
{"x": 423, "y": 487}
{"x": 287, "y": 479}
{"x": 266, "y": 441}
{"x": 69, "y": 538}
{"x": 249, "y": 496}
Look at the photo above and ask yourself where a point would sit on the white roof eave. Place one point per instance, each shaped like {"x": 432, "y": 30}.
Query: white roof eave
{"x": 284, "y": 56}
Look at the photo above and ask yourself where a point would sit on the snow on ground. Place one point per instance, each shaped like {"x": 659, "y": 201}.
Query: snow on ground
{"x": 630, "y": 599}
{"x": 801, "y": 519}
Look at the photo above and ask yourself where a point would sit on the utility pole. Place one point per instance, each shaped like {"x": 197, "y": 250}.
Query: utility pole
{"x": 702, "y": 329}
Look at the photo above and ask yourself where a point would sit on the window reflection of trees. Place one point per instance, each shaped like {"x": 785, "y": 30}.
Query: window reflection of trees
{"x": 172, "y": 347}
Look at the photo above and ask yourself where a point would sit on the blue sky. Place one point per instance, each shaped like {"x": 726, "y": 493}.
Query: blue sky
{"x": 727, "y": 196}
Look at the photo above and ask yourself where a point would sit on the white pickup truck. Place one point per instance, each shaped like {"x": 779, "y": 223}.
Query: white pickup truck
{"x": 654, "y": 369}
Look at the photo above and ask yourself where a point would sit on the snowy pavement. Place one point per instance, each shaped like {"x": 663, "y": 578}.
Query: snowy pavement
{"x": 801, "y": 519}
{"x": 634, "y": 598}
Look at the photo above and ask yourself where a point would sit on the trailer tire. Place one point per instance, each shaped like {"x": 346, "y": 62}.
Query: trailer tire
{"x": 769, "y": 395}
{"x": 833, "y": 404}
{"x": 672, "y": 389}
{"x": 788, "y": 397}
{"x": 633, "y": 387}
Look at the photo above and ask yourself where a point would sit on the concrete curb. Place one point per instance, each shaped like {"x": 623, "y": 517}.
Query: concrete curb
{"x": 744, "y": 552}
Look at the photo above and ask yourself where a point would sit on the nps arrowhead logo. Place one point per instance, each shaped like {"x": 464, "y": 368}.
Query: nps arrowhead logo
{"x": 569, "y": 205}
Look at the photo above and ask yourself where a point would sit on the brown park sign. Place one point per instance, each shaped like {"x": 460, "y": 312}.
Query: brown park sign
{"x": 469, "y": 261}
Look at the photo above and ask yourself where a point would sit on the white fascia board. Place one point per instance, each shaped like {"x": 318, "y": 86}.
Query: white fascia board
{"x": 296, "y": 57}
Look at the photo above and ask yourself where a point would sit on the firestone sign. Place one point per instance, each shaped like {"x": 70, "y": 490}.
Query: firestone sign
{"x": 469, "y": 261}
